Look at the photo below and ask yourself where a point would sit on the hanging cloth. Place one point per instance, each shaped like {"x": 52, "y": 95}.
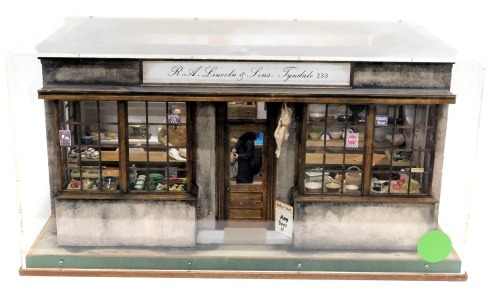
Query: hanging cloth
{"x": 281, "y": 133}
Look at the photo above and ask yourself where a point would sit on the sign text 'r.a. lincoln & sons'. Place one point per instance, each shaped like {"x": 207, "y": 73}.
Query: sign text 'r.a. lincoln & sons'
{"x": 270, "y": 73}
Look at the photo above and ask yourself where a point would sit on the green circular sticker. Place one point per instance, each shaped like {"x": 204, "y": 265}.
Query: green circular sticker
{"x": 434, "y": 246}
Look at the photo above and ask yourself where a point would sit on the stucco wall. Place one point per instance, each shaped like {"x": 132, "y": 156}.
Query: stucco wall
{"x": 402, "y": 75}
{"x": 361, "y": 225}
{"x": 285, "y": 171}
{"x": 125, "y": 223}
{"x": 205, "y": 165}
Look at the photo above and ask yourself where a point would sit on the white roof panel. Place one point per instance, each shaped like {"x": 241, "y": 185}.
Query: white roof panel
{"x": 244, "y": 40}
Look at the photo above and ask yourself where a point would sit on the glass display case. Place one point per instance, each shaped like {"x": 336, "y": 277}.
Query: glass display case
{"x": 232, "y": 163}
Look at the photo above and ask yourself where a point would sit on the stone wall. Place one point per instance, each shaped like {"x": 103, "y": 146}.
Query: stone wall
{"x": 361, "y": 225}
{"x": 125, "y": 223}
{"x": 205, "y": 167}
{"x": 285, "y": 169}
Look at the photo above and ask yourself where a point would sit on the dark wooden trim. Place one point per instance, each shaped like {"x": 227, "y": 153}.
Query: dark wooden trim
{"x": 123, "y": 146}
{"x": 351, "y": 75}
{"x": 332, "y": 99}
{"x": 273, "y": 114}
{"x": 368, "y": 157}
{"x": 300, "y": 149}
{"x": 220, "y": 155}
{"x": 192, "y": 143}
{"x": 364, "y": 199}
{"x": 130, "y": 196}
{"x": 242, "y": 275}
{"x": 266, "y": 94}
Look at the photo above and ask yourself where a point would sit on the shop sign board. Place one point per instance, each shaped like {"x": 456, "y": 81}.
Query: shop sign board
{"x": 249, "y": 73}
{"x": 284, "y": 219}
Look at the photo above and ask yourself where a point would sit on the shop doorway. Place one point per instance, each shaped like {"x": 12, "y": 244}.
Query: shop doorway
{"x": 247, "y": 194}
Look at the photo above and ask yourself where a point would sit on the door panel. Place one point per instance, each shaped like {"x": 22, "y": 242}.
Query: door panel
{"x": 246, "y": 200}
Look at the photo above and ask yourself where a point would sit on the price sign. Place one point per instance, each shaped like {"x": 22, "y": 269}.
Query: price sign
{"x": 352, "y": 140}
{"x": 284, "y": 219}
{"x": 381, "y": 120}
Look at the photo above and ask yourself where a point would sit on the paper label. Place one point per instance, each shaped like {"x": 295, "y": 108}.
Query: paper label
{"x": 284, "y": 219}
{"x": 352, "y": 140}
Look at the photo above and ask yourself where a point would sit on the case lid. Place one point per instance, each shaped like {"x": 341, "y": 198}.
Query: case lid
{"x": 269, "y": 40}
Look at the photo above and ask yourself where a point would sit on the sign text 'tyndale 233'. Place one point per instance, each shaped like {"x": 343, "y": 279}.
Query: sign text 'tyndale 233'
{"x": 270, "y": 73}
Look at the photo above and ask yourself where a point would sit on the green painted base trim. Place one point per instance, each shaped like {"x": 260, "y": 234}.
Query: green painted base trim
{"x": 241, "y": 264}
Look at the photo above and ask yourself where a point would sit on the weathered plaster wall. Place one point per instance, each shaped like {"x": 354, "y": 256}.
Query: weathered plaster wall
{"x": 361, "y": 225}
{"x": 52, "y": 136}
{"x": 285, "y": 171}
{"x": 401, "y": 75}
{"x": 91, "y": 71}
{"x": 442, "y": 120}
{"x": 125, "y": 223}
{"x": 205, "y": 165}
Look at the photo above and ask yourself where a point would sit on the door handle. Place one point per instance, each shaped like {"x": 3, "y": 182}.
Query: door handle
{"x": 228, "y": 188}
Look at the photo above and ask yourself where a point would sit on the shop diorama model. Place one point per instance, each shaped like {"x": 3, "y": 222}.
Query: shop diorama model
{"x": 292, "y": 145}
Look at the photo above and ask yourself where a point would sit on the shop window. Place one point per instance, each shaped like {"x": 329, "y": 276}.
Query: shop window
{"x": 335, "y": 149}
{"x": 395, "y": 157}
{"x": 154, "y": 133}
{"x": 88, "y": 131}
{"x": 157, "y": 146}
{"x": 403, "y": 152}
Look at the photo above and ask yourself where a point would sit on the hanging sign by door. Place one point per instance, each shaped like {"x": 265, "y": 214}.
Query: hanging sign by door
{"x": 283, "y": 222}
{"x": 267, "y": 73}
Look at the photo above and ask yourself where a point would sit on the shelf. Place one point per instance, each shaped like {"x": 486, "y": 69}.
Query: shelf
{"x": 140, "y": 156}
{"x": 95, "y": 173}
{"x": 350, "y": 159}
{"x": 331, "y": 143}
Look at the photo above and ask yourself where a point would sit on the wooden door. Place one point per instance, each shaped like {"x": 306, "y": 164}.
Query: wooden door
{"x": 246, "y": 186}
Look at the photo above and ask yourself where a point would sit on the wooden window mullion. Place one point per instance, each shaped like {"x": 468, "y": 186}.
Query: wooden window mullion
{"x": 123, "y": 146}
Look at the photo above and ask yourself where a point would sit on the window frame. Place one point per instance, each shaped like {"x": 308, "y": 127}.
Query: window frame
{"x": 299, "y": 191}
{"x": 124, "y": 191}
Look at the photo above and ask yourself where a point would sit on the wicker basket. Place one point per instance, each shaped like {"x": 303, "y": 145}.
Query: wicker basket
{"x": 353, "y": 176}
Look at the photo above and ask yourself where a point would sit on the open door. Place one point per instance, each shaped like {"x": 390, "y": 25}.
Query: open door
{"x": 247, "y": 193}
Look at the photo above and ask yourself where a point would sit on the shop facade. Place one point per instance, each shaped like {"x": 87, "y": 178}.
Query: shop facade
{"x": 186, "y": 147}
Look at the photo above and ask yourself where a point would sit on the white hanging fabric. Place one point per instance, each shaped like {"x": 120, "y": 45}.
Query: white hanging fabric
{"x": 281, "y": 133}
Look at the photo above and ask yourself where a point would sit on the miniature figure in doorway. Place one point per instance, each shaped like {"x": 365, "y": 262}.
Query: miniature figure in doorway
{"x": 248, "y": 162}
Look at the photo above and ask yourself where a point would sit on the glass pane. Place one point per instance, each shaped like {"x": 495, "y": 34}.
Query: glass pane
{"x": 403, "y": 143}
{"x": 335, "y": 149}
{"x": 88, "y": 139}
{"x": 246, "y": 110}
{"x": 157, "y": 146}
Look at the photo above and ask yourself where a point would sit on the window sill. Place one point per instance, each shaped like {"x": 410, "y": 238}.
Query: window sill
{"x": 68, "y": 195}
{"x": 364, "y": 199}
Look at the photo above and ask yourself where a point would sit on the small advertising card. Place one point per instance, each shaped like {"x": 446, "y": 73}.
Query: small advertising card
{"x": 381, "y": 121}
{"x": 174, "y": 119}
{"x": 284, "y": 219}
{"x": 65, "y": 137}
{"x": 352, "y": 140}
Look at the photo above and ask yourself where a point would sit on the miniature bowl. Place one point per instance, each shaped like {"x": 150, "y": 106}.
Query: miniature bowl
{"x": 351, "y": 188}
{"x": 316, "y": 116}
{"x": 315, "y": 135}
{"x": 335, "y": 134}
{"x": 313, "y": 187}
{"x": 332, "y": 187}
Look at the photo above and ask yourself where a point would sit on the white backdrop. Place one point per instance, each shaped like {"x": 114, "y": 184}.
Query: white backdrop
{"x": 466, "y": 26}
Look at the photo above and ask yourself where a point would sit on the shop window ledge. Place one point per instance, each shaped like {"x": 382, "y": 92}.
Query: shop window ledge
{"x": 365, "y": 199}
{"x": 120, "y": 196}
